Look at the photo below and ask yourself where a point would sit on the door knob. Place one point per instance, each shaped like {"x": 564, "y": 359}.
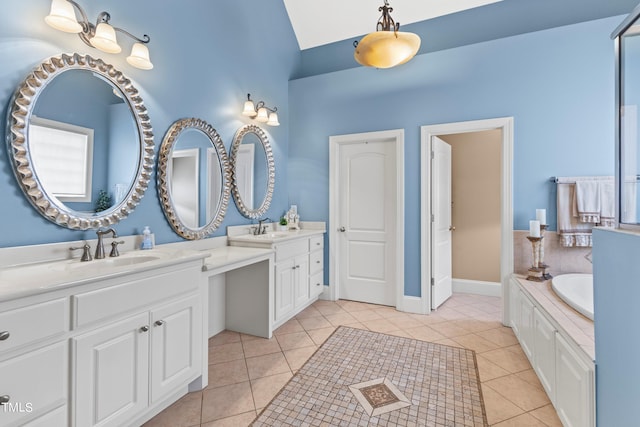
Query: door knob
{"x": 452, "y": 228}
{"x": 342, "y": 229}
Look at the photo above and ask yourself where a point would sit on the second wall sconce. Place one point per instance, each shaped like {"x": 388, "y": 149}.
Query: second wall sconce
{"x": 102, "y": 35}
{"x": 260, "y": 112}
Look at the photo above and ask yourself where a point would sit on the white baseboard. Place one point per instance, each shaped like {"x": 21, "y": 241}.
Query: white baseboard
{"x": 410, "y": 304}
{"x": 478, "y": 287}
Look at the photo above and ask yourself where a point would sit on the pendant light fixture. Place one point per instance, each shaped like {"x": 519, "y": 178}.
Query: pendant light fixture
{"x": 102, "y": 35}
{"x": 386, "y": 47}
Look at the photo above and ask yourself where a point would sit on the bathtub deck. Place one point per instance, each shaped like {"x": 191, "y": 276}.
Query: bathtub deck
{"x": 577, "y": 326}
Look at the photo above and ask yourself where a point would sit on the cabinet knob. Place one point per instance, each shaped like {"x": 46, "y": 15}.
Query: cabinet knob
{"x": 4, "y": 335}
{"x": 317, "y": 284}
{"x": 145, "y": 328}
{"x": 342, "y": 229}
{"x": 5, "y": 399}
{"x": 159, "y": 322}
{"x": 318, "y": 262}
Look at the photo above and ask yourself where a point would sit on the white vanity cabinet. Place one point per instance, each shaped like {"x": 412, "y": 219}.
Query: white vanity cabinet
{"x": 136, "y": 359}
{"x": 32, "y": 340}
{"x": 101, "y": 347}
{"x": 565, "y": 371}
{"x": 298, "y": 268}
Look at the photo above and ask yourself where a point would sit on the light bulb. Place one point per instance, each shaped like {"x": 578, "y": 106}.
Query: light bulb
{"x": 263, "y": 115}
{"x": 62, "y": 17}
{"x": 105, "y": 39}
{"x": 139, "y": 57}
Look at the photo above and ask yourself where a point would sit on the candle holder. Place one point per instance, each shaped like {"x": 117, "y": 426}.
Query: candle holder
{"x": 536, "y": 274}
{"x": 541, "y": 263}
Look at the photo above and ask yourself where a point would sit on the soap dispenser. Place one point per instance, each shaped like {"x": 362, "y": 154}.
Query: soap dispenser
{"x": 147, "y": 243}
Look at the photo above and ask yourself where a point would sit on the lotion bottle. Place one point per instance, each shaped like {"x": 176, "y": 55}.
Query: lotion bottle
{"x": 147, "y": 243}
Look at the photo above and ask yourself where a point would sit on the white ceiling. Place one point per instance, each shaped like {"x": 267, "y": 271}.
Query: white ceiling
{"x": 317, "y": 23}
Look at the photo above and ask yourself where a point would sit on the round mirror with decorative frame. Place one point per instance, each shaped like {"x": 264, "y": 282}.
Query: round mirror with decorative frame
{"x": 80, "y": 142}
{"x": 193, "y": 178}
{"x": 253, "y": 171}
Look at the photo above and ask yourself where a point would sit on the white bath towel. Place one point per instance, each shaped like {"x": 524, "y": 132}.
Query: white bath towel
{"x": 571, "y": 231}
{"x": 607, "y": 203}
{"x": 587, "y": 197}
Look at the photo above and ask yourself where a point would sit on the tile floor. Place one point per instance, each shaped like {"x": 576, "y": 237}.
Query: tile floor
{"x": 246, "y": 372}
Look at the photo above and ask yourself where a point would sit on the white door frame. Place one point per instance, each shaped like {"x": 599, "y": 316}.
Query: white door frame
{"x": 506, "y": 208}
{"x": 397, "y": 135}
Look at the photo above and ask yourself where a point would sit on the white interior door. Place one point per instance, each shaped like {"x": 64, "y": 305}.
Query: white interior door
{"x": 441, "y": 284}
{"x": 185, "y": 188}
{"x": 244, "y": 173}
{"x": 367, "y": 220}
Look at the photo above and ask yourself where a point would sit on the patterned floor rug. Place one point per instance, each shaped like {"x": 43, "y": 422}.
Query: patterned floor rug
{"x": 362, "y": 378}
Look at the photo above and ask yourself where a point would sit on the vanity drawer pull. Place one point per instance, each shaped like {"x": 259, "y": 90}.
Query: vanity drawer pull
{"x": 144, "y": 328}
{"x": 4, "y": 335}
{"x": 5, "y": 399}
{"x": 159, "y": 322}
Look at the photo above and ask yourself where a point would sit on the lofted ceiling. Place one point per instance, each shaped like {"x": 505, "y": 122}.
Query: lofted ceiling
{"x": 317, "y": 23}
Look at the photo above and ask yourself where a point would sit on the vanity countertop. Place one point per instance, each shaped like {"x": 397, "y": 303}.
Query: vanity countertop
{"x": 31, "y": 279}
{"x": 227, "y": 258}
{"x": 272, "y": 237}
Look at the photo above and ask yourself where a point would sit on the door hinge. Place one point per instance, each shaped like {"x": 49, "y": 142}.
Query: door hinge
{"x": 433, "y": 218}
{"x": 433, "y": 155}
{"x": 433, "y": 282}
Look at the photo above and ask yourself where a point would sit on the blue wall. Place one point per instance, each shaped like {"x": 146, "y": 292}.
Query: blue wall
{"x": 207, "y": 57}
{"x": 558, "y": 85}
{"x": 616, "y": 294}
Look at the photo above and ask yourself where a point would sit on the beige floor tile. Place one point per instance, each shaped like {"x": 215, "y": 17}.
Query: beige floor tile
{"x": 241, "y": 420}
{"x": 404, "y": 334}
{"x": 350, "y": 306}
{"x": 264, "y": 389}
{"x": 295, "y": 340}
{"x": 310, "y": 311}
{"x": 380, "y": 325}
{"x": 269, "y": 364}
{"x": 489, "y": 370}
{"x": 450, "y": 313}
{"x": 508, "y": 359}
{"x": 183, "y": 413}
{"x": 222, "y": 374}
{"x": 518, "y": 391}
{"x": 289, "y": 327}
{"x": 497, "y": 407}
{"x": 297, "y": 357}
{"x": 326, "y": 310}
{"x": 364, "y": 315}
{"x": 309, "y": 323}
{"x": 449, "y": 329}
{"x": 320, "y": 335}
{"x": 246, "y": 338}
{"x": 447, "y": 341}
{"x": 531, "y": 377}
{"x": 405, "y": 321}
{"x": 260, "y": 347}
{"x": 548, "y": 415}
{"x": 425, "y": 333}
{"x": 224, "y": 337}
{"x": 475, "y": 342}
{"x": 226, "y": 352}
{"x": 385, "y": 311}
{"x": 224, "y": 402}
{"x": 524, "y": 420}
{"x": 502, "y": 336}
{"x": 430, "y": 319}
{"x": 474, "y": 325}
{"x": 339, "y": 319}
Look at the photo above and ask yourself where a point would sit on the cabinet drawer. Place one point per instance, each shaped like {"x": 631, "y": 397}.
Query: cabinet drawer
{"x": 316, "y": 260}
{"x": 57, "y": 417}
{"x": 291, "y": 249}
{"x": 108, "y": 302}
{"x": 315, "y": 284}
{"x": 35, "y": 382}
{"x": 316, "y": 242}
{"x": 33, "y": 323}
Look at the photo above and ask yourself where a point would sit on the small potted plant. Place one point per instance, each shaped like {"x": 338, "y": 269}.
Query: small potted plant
{"x": 283, "y": 224}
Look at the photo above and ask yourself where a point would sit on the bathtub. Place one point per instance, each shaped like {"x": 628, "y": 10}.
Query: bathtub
{"x": 576, "y": 290}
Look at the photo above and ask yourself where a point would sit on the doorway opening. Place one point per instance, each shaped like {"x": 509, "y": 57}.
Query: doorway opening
{"x": 477, "y": 240}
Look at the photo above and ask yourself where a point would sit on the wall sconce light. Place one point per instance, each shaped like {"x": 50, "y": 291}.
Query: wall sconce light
{"x": 102, "y": 35}
{"x": 260, "y": 112}
{"x": 386, "y": 47}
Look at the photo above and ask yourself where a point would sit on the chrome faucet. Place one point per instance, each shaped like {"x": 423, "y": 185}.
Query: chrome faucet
{"x": 100, "y": 244}
{"x": 86, "y": 252}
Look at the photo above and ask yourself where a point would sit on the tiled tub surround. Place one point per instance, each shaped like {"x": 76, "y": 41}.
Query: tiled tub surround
{"x": 560, "y": 345}
{"x": 560, "y": 259}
